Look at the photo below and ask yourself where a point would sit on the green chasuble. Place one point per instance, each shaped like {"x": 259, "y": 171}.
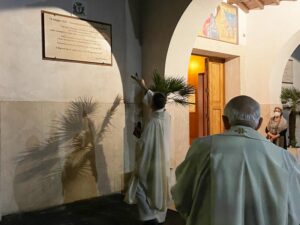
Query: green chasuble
{"x": 238, "y": 178}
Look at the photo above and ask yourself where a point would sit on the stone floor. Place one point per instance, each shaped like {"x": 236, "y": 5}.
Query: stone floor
{"x": 108, "y": 210}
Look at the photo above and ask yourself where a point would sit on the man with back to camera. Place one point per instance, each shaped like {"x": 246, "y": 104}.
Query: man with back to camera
{"x": 238, "y": 177}
{"x": 149, "y": 184}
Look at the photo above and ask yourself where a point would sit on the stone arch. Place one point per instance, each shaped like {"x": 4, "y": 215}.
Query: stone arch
{"x": 279, "y": 65}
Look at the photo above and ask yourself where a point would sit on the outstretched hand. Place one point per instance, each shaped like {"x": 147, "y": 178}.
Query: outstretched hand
{"x": 140, "y": 81}
{"x": 135, "y": 77}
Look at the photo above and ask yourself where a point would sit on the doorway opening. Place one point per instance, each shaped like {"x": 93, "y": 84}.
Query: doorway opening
{"x": 206, "y": 74}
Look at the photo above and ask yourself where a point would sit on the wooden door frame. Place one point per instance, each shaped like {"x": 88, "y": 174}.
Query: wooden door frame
{"x": 202, "y": 103}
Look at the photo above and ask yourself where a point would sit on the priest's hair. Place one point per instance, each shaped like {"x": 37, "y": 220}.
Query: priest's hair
{"x": 158, "y": 100}
{"x": 243, "y": 110}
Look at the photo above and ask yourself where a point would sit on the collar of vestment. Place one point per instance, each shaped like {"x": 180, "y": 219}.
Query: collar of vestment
{"x": 158, "y": 113}
{"x": 159, "y": 110}
{"x": 245, "y": 132}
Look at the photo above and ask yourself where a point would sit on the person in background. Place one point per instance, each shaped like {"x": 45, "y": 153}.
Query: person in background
{"x": 238, "y": 177}
{"x": 277, "y": 128}
{"x": 149, "y": 185}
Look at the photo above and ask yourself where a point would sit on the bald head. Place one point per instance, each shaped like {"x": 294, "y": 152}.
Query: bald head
{"x": 242, "y": 110}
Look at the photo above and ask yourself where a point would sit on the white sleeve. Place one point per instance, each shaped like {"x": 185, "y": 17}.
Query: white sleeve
{"x": 148, "y": 98}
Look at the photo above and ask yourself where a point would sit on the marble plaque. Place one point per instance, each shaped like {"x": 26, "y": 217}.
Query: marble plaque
{"x": 73, "y": 39}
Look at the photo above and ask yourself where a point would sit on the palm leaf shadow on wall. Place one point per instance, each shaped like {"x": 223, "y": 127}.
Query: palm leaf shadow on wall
{"x": 72, "y": 156}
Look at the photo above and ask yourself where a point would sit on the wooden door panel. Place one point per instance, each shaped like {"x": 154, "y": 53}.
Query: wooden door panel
{"x": 216, "y": 121}
{"x": 215, "y": 96}
{"x": 216, "y": 82}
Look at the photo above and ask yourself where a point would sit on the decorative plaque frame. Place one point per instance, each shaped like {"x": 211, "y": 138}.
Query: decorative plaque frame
{"x": 68, "y": 38}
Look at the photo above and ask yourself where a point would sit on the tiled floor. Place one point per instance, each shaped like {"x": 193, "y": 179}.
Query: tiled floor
{"x": 108, "y": 210}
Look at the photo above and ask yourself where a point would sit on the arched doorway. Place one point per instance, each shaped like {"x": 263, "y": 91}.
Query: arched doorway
{"x": 177, "y": 62}
{"x": 290, "y": 87}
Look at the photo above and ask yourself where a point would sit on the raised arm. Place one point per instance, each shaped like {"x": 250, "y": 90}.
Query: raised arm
{"x": 140, "y": 82}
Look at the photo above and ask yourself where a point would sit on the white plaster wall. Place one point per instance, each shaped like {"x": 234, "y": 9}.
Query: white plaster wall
{"x": 232, "y": 78}
{"x": 34, "y": 91}
{"x": 272, "y": 36}
{"x": 242, "y": 27}
{"x": 36, "y": 182}
{"x": 26, "y": 76}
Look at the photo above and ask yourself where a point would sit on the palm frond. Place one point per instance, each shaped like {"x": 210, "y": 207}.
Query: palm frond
{"x": 187, "y": 90}
{"x": 182, "y": 101}
{"x": 175, "y": 84}
{"x": 159, "y": 83}
{"x": 175, "y": 88}
{"x": 290, "y": 95}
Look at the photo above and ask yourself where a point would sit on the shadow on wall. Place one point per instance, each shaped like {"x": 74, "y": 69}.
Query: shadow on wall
{"x": 71, "y": 161}
{"x": 128, "y": 59}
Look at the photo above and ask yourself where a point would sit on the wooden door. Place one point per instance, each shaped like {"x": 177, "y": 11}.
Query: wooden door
{"x": 215, "y": 95}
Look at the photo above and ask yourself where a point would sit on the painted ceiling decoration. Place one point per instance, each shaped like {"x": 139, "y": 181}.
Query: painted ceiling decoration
{"x": 247, "y": 5}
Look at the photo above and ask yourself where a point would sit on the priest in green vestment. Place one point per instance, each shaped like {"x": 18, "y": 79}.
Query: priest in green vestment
{"x": 238, "y": 177}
